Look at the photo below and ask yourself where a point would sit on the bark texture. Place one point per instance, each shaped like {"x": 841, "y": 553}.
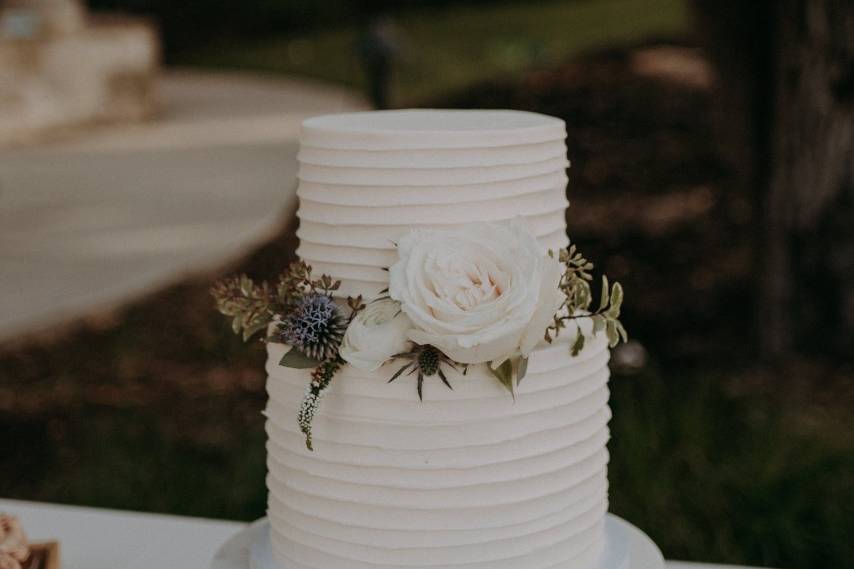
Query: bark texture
{"x": 787, "y": 86}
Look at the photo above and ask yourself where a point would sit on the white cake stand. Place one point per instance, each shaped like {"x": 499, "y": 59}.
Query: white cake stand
{"x": 626, "y": 547}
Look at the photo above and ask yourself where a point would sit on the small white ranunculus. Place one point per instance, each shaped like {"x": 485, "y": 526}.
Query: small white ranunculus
{"x": 376, "y": 334}
{"x": 482, "y": 293}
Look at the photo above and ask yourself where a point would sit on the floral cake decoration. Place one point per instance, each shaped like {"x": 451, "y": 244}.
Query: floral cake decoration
{"x": 484, "y": 294}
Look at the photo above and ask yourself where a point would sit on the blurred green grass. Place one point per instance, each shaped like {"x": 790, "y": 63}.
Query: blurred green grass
{"x": 719, "y": 476}
{"x": 125, "y": 459}
{"x": 447, "y": 49}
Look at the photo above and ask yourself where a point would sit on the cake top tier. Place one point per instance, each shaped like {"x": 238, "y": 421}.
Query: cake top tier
{"x": 430, "y": 128}
{"x": 366, "y": 179}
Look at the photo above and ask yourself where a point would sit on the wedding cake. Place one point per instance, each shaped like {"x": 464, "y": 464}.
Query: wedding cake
{"x": 404, "y": 436}
{"x": 466, "y": 478}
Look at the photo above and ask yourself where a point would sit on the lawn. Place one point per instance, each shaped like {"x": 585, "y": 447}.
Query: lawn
{"x": 446, "y": 49}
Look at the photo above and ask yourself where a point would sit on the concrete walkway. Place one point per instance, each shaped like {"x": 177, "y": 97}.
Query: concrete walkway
{"x": 114, "y": 213}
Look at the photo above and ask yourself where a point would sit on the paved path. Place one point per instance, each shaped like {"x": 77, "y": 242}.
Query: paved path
{"x": 113, "y": 213}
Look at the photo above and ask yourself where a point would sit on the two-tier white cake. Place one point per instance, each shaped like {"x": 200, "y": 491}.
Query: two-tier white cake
{"x": 467, "y": 478}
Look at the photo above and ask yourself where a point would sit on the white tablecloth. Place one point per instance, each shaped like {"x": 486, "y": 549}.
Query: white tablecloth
{"x": 108, "y": 539}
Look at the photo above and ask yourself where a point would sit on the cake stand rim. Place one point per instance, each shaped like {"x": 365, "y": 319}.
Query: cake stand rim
{"x": 242, "y": 550}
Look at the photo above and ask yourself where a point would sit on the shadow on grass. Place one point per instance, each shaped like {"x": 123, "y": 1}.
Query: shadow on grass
{"x": 125, "y": 459}
{"x": 730, "y": 478}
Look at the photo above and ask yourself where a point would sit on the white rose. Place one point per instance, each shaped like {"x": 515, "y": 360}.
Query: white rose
{"x": 376, "y": 334}
{"x": 482, "y": 293}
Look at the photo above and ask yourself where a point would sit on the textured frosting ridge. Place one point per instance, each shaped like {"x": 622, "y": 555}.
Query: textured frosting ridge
{"x": 365, "y": 179}
{"x": 467, "y": 478}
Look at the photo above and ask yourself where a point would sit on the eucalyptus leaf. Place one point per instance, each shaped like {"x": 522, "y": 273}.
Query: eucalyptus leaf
{"x": 578, "y": 344}
{"x": 611, "y": 332}
{"x": 603, "y": 302}
{"x": 297, "y": 360}
{"x": 583, "y": 296}
{"x": 598, "y": 323}
{"x": 616, "y": 301}
{"x": 247, "y": 285}
{"x": 504, "y": 373}
{"x": 522, "y": 370}
{"x": 249, "y": 330}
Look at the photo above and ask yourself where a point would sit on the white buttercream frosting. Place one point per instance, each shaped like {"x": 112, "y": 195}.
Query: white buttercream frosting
{"x": 467, "y": 478}
{"x": 464, "y": 477}
{"x": 433, "y": 157}
{"x": 430, "y": 129}
{"x": 394, "y": 196}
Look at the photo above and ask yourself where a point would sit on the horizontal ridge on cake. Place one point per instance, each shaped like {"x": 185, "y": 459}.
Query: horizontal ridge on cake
{"x": 462, "y": 478}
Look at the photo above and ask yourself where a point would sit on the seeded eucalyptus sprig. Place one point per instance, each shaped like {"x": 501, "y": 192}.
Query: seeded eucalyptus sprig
{"x": 297, "y": 281}
{"x": 306, "y": 316}
{"x": 251, "y": 307}
{"x": 575, "y": 284}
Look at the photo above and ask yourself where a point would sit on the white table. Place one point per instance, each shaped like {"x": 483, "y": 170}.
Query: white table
{"x": 109, "y": 539}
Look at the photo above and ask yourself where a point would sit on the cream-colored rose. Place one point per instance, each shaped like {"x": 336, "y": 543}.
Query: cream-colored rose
{"x": 482, "y": 293}
{"x": 376, "y": 334}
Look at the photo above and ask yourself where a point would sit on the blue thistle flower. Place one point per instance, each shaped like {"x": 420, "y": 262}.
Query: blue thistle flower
{"x": 315, "y": 327}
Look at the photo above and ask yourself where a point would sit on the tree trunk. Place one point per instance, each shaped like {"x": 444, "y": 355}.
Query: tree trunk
{"x": 790, "y": 92}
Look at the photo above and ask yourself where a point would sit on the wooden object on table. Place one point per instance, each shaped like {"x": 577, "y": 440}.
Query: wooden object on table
{"x": 43, "y": 556}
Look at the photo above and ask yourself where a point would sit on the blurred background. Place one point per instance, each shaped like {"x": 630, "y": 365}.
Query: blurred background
{"x": 147, "y": 148}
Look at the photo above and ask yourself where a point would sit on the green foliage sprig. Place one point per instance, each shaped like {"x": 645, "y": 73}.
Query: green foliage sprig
{"x": 302, "y": 307}
{"x": 510, "y": 373}
{"x": 252, "y": 307}
{"x": 308, "y": 319}
{"x": 575, "y": 284}
{"x": 297, "y": 281}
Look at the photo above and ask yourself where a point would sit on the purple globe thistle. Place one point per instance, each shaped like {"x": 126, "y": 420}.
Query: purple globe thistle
{"x": 315, "y": 327}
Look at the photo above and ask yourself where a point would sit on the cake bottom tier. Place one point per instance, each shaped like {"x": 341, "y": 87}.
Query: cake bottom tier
{"x": 466, "y": 479}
